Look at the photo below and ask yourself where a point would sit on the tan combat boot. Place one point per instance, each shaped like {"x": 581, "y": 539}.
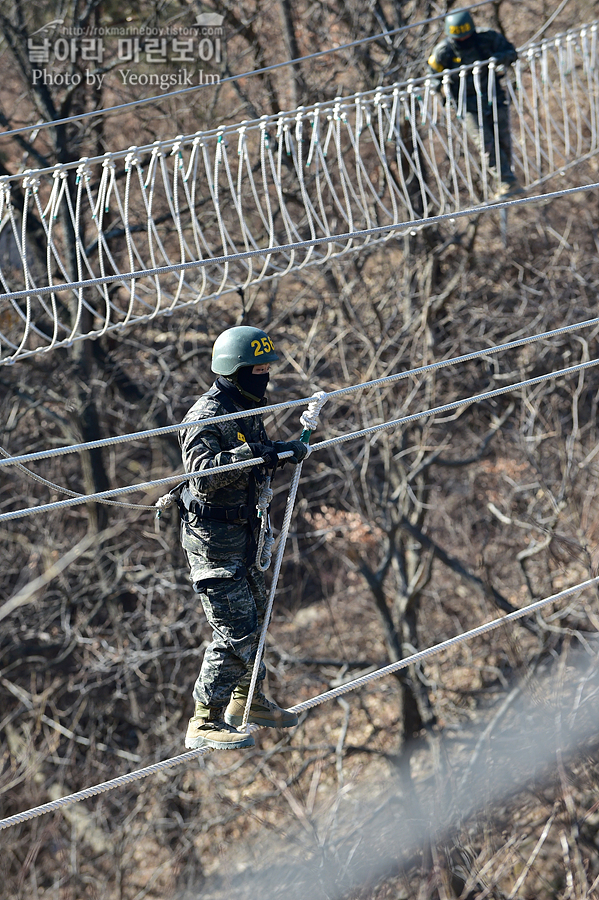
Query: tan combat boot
{"x": 508, "y": 189}
{"x": 208, "y": 729}
{"x": 262, "y": 711}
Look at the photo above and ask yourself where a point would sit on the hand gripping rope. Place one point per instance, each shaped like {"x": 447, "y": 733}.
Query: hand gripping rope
{"x": 309, "y": 419}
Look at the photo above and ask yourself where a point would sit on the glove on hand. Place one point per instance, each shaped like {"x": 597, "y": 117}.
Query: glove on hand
{"x": 268, "y": 453}
{"x": 298, "y": 448}
{"x": 506, "y": 59}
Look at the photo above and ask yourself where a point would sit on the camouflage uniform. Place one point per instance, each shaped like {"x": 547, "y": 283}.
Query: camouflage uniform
{"x": 221, "y": 554}
{"x": 482, "y": 45}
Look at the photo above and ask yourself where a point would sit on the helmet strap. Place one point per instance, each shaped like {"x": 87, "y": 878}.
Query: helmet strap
{"x": 244, "y": 381}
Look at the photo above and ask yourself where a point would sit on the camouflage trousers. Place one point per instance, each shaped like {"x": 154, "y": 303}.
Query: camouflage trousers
{"x": 486, "y": 142}
{"x": 234, "y": 608}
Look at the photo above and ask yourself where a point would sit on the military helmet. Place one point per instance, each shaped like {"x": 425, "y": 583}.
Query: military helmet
{"x": 459, "y": 25}
{"x": 241, "y": 346}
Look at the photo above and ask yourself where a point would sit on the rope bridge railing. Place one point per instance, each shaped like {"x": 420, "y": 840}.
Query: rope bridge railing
{"x": 101, "y": 244}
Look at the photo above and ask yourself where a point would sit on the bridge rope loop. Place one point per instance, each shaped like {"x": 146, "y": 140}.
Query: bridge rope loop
{"x": 309, "y": 418}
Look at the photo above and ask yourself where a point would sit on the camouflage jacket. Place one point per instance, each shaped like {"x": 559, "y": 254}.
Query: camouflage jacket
{"x": 219, "y": 549}
{"x": 451, "y": 54}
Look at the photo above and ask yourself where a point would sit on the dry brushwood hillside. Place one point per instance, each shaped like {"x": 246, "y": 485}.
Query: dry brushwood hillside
{"x": 471, "y": 775}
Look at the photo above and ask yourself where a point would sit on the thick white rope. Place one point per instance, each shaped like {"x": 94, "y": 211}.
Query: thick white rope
{"x": 420, "y": 656}
{"x": 455, "y": 404}
{"x": 384, "y": 426}
{"x": 64, "y": 490}
{"x": 78, "y": 499}
{"x": 290, "y": 404}
{"x": 309, "y": 420}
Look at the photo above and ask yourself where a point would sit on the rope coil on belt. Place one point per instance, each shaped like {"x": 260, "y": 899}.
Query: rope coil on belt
{"x": 266, "y": 538}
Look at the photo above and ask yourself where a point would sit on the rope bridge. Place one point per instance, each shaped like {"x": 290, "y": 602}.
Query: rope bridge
{"x": 103, "y": 243}
{"x": 309, "y": 420}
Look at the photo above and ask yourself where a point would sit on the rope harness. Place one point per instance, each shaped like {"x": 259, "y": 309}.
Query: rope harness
{"x": 266, "y": 538}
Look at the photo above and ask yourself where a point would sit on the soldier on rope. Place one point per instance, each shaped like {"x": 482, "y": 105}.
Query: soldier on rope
{"x": 463, "y": 46}
{"x": 219, "y": 533}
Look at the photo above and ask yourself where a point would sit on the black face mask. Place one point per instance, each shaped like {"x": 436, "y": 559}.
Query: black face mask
{"x": 252, "y": 385}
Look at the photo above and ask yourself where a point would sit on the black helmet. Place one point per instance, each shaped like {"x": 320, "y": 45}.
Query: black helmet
{"x": 459, "y": 25}
{"x": 241, "y": 346}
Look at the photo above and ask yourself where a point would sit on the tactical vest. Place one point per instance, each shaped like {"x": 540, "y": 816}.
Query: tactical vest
{"x": 189, "y": 504}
